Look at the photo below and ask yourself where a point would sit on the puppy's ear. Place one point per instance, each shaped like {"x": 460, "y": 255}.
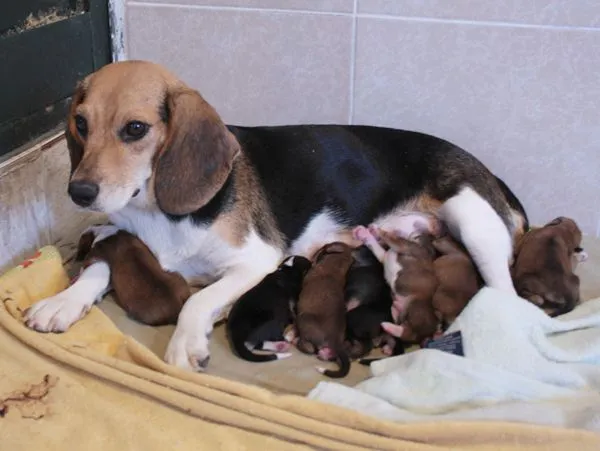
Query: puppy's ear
{"x": 197, "y": 156}
{"x": 74, "y": 142}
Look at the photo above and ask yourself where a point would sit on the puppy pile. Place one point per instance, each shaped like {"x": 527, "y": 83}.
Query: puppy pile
{"x": 397, "y": 285}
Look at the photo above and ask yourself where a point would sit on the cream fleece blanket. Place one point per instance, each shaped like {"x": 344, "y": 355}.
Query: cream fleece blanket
{"x": 92, "y": 388}
{"x": 519, "y": 365}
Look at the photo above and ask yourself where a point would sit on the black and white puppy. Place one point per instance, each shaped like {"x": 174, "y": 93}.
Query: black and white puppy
{"x": 368, "y": 302}
{"x": 259, "y": 317}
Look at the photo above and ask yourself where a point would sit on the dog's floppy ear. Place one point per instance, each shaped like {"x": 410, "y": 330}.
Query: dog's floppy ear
{"x": 74, "y": 142}
{"x": 197, "y": 156}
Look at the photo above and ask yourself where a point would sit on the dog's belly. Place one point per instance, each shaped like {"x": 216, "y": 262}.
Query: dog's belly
{"x": 324, "y": 228}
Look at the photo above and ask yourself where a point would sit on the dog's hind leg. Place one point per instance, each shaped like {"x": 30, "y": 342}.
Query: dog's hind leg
{"x": 473, "y": 221}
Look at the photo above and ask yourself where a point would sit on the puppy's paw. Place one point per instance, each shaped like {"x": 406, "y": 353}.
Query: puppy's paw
{"x": 276, "y": 346}
{"x": 57, "y": 313}
{"x": 361, "y": 233}
{"x": 395, "y": 330}
{"x": 352, "y": 304}
{"x": 326, "y": 354}
{"x": 290, "y": 334}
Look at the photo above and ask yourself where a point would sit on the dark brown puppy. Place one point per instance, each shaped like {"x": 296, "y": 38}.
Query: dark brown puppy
{"x": 145, "y": 291}
{"x": 458, "y": 280}
{"x": 545, "y": 259}
{"x": 409, "y": 271}
{"x": 321, "y": 310}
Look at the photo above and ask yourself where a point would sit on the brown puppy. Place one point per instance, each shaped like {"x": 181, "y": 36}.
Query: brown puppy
{"x": 142, "y": 288}
{"x": 545, "y": 259}
{"x": 409, "y": 270}
{"x": 321, "y": 310}
{"x": 458, "y": 279}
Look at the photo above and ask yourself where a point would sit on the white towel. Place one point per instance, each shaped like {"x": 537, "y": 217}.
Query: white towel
{"x": 519, "y": 365}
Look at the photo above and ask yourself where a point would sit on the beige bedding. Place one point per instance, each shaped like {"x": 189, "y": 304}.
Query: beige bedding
{"x": 297, "y": 374}
{"x": 109, "y": 390}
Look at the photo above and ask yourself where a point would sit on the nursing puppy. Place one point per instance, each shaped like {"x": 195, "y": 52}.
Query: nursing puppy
{"x": 145, "y": 291}
{"x": 458, "y": 280}
{"x": 410, "y": 273}
{"x": 321, "y": 310}
{"x": 259, "y": 317}
{"x": 368, "y": 303}
{"x": 545, "y": 259}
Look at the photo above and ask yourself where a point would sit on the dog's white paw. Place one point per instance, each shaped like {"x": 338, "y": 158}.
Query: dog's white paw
{"x": 188, "y": 347}
{"x": 57, "y": 313}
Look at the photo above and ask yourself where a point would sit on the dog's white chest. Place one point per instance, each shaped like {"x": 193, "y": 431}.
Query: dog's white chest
{"x": 194, "y": 251}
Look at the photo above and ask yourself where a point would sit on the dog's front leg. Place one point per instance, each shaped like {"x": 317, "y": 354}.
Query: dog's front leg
{"x": 57, "y": 313}
{"x": 188, "y": 347}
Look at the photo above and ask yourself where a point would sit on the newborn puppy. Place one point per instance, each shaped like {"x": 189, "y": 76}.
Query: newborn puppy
{"x": 545, "y": 259}
{"x": 321, "y": 310}
{"x": 368, "y": 302}
{"x": 146, "y": 292}
{"x": 260, "y": 316}
{"x": 458, "y": 279}
{"x": 409, "y": 271}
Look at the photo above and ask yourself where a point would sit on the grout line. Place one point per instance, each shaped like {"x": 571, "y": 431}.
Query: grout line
{"x": 238, "y": 8}
{"x": 598, "y": 229}
{"x": 356, "y": 14}
{"x": 490, "y": 23}
{"x": 352, "y": 64}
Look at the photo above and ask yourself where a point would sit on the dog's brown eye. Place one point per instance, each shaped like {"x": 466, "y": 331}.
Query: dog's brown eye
{"x": 134, "y": 130}
{"x": 81, "y": 125}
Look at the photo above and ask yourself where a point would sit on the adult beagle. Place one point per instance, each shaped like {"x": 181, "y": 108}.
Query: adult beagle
{"x": 229, "y": 203}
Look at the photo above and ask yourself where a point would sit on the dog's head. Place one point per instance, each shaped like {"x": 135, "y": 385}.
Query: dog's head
{"x": 134, "y": 128}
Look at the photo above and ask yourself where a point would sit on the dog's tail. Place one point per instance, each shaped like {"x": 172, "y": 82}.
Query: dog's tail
{"x": 238, "y": 344}
{"x": 343, "y": 361}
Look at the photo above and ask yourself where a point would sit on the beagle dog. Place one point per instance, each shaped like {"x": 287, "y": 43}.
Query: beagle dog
{"x": 228, "y": 203}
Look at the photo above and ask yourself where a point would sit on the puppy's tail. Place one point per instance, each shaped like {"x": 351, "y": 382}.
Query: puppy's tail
{"x": 343, "y": 361}
{"x": 238, "y": 344}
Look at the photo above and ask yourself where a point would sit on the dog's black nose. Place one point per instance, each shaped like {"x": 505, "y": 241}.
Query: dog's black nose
{"x": 83, "y": 193}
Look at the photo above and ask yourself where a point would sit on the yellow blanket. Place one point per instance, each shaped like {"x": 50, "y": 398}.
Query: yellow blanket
{"x": 93, "y": 388}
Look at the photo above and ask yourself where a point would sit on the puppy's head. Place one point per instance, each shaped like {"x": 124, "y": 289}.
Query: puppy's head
{"x": 336, "y": 249}
{"x": 571, "y": 233}
{"x": 297, "y": 263}
{"x": 138, "y": 134}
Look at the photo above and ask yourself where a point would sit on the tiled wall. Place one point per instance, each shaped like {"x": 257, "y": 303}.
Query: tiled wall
{"x": 516, "y": 82}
